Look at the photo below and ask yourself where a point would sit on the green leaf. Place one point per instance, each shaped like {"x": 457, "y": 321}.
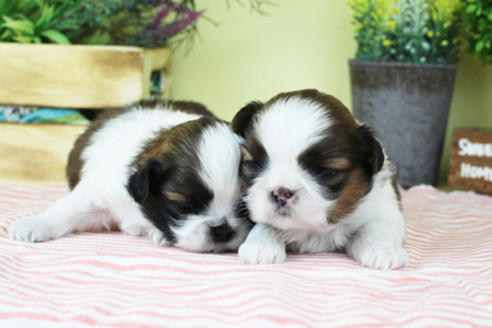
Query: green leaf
{"x": 479, "y": 46}
{"x": 471, "y": 8}
{"x": 45, "y": 17}
{"x": 99, "y": 38}
{"x": 22, "y": 39}
{"x": 55, "y": 36}
{"x": 19, "y": 26}
{"x": 3, "y": 6}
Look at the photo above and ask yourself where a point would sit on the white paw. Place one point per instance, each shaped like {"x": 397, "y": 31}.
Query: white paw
{"x": 379, "y": 256}
{"x": 31, "y": 229}
{"x": 261, "y": 252}
{"x": 158, "y": 237}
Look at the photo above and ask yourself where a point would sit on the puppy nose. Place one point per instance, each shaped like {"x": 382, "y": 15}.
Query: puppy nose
{"x": 282, "y": 195}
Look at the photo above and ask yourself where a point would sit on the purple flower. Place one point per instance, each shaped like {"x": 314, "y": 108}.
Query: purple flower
{"x": 158, "y": 32}
{"x": 178, "y": 26}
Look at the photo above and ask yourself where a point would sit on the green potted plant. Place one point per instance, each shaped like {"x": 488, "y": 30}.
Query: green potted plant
{"x": 402, "y": 79}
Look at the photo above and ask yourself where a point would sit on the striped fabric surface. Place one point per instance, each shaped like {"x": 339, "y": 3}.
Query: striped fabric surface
{"x": 114, "y": 280}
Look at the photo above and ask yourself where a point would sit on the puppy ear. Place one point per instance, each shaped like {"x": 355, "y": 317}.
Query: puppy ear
{"x": 146, "y": 179}
{"x": 370, "y": 149}
{"x": 243, "y": 118}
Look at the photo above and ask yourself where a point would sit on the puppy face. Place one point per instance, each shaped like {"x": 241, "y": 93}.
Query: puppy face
{"x": 186, "y": 181}
{"x": 306, "y": 161}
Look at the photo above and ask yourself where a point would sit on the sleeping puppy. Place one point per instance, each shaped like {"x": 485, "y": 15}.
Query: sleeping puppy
{"x": 168, "y": 170}
{"x": 317, "y": 181}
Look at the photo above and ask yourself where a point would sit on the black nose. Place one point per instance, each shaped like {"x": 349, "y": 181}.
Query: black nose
{"x": 221, "y": 232}
{"x": 282, "y": 195}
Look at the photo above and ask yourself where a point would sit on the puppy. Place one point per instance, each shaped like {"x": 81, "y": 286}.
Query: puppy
{"x": 168, "y": 170}
{"x": 317, "y": 181}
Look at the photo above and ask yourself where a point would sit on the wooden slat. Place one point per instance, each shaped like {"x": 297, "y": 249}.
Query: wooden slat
{"x": 35, "y": 153}
{"x": 157, "y": 59}
{"x": 76, "y": 76}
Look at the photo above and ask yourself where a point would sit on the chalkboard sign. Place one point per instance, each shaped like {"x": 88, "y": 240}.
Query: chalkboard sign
{"x": 471, "y": 160}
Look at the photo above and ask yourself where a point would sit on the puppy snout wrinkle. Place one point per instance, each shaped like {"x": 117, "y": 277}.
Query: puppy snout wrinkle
{"x": 282, "y": 195}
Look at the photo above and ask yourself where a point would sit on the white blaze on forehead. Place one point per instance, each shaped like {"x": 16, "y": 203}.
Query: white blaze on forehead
{"x": 289, "y": 126}
{"x": 219, "y": 154}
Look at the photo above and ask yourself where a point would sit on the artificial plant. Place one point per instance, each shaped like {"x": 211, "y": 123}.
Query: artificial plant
{"x": 147, "y": 23}
{"x": 418, "y": 31}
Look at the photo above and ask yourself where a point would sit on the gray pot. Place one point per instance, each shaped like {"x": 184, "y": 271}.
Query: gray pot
{"x": 407, "y": 106}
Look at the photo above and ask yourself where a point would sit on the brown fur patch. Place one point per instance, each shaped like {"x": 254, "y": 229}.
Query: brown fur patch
{"x": 165, "y": 142}
{"x": 75, "y": 163}
{"x": 175, "y": 196}
{"x": 355, "y": 188}
{"x": 334, "y": 107}
{"x": 338, "y": 163}
{"x": 394, "y": 183}
{"x": 246, "y": 154}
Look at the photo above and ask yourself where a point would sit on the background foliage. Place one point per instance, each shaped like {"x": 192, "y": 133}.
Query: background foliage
{"x": 148, "y": 23}
{"x": 476, "y": 22}
{"x": 418, "y": 31}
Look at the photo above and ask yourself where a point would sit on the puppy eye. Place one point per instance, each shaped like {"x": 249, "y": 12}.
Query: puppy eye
{"x": 326, "y": 172}
{"x": 252, "y": 164}
{"x": 185, "y": 207}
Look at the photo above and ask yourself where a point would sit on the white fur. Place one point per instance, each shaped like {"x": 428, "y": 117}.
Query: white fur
{"x": 219, "y": 155}
{"x": 262, "y": 246}
{"x": 373, "y": 234}
{"x": 289, "y": 126}
{"x": 100, "y": 200}
{"x": 285, "y": 130}
{"x": 102, "y": 186}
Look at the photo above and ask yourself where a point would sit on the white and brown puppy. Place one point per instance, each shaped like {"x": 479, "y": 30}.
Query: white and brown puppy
{"x": 317, "y": 181}
{"x": 168, "y": 170}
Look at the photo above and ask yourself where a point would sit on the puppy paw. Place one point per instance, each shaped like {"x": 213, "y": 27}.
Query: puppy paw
{"x": 261, "y": 252}
{"x": 31, "y": 229}
{"x": 158, "y": 237}
{"x": 379, "y": 256}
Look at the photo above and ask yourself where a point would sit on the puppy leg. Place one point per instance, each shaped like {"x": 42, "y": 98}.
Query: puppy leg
{"x": 378, "y": 243}
{"x": 262, "y": 246}
{"x": 74, "y": 212}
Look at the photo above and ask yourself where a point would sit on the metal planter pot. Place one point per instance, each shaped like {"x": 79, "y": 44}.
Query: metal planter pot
{"x": 407, "y": 105}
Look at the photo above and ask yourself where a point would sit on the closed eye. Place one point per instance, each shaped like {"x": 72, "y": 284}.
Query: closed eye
{"x": 252, "y": 165}
{"x": 185, "y": 207}
{"x": 326, "y": 173}
{"x": 179, "y": 201}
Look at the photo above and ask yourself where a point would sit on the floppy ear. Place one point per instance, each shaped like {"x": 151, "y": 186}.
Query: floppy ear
{"x": 243, "y": 118}
{"x": 148, "y": 178}
{"x": 371, "y": 149}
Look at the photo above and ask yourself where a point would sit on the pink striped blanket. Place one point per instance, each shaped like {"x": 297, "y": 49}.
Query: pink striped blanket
{"x": 114, "y": 280}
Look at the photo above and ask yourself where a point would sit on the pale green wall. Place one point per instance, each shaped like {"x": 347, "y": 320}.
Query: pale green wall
{"x": 303, "y": 44}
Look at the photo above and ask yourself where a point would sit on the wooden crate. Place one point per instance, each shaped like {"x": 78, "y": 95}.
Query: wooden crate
{"x": 471, "y": 160}
{"x": 35, "y": 153}
{"x": 77, "y": 76}
{"x": 72, "y": 76}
